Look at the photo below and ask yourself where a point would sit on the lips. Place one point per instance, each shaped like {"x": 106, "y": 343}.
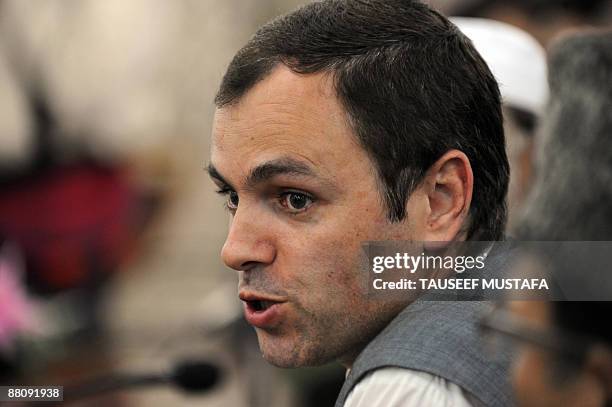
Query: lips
{"x": 262, "y": 311}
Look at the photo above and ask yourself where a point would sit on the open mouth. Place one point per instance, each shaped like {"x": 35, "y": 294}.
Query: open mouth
{"x": 259, "y": 305}
{"x": 262, "y": 311}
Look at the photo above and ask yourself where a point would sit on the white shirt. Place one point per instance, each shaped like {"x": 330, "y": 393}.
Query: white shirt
{"x": 397, "y": 387}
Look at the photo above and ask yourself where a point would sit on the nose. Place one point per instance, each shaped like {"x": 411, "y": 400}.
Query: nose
{"x": 248, "y": 243}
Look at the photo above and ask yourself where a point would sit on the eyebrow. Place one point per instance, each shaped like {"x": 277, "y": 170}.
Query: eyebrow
{"x": 271, "y": 169}
{"x": 268, "y": 170}
{"x": 216, "y": 175}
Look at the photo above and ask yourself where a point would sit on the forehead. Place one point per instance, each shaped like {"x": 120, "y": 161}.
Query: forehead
{"x": 286, "y": 114}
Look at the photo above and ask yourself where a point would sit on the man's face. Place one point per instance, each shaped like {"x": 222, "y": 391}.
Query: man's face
{"x": 303, "y": 196}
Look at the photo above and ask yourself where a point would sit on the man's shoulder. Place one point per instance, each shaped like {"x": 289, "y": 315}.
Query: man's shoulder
{"x": 428, "y": 325}
{"x": 439, "y": 338}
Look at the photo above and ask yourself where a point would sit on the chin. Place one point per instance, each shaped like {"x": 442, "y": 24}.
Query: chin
{"x": 285, "y": 361}
{"x": 289, "y": 354}
{"x": 279, "y": 358}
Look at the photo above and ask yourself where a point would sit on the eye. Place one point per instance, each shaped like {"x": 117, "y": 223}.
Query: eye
{"x": 295, "y": 201}
{"x": 232, "y": 200}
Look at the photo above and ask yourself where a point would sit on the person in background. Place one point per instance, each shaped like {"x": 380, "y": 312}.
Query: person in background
{"x": 566, "y": 346}
{"x": 518, "y": 62}
{"x": 72, "y": 207}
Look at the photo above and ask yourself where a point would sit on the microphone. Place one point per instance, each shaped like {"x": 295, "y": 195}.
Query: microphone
{"x": 189, "y": 376}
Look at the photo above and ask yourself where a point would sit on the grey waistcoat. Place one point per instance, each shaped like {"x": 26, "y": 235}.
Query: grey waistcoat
{"x": 440, "y": 338}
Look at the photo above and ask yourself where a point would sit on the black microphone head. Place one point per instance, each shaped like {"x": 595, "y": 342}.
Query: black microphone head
{"x": 195, "y": 376}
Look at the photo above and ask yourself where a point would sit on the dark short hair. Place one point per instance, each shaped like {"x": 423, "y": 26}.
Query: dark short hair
{"x": 412, "y": 85}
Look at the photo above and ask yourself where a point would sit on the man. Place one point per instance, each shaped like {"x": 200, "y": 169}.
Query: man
{"x": 353, "y": 121}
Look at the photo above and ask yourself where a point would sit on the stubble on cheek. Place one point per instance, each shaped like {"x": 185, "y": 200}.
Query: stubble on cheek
{"x": 329, "y": 314}
{"x": 296, "y": 342}
{"x": 331, "y": 322}
{"x": 310, "y": 331}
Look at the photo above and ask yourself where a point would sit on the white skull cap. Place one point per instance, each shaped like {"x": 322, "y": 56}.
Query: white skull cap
{"x": 516, "y": 59}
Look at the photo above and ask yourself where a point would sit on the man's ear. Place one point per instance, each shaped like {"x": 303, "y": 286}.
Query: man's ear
{"x": 448, "y": 184}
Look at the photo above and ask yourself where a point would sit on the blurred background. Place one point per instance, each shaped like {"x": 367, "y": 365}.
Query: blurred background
{"x": 110, "y": 230}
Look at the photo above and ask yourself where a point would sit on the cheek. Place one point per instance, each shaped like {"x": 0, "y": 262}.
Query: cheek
{"x": 328, "y": 267}
{"x": 327, "y": 256}
{"x": 325, "y": 247}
